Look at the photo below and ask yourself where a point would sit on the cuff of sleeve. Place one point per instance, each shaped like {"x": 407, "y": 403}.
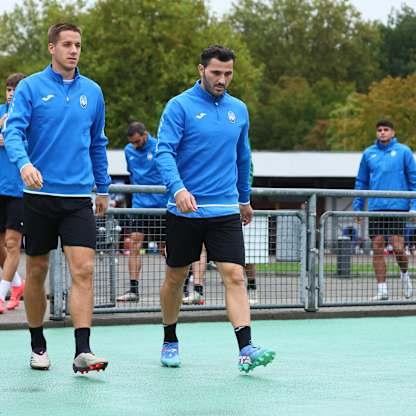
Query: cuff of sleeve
{"x": 102, "y": 189}
{"x": 244, "y": 197}
{"x": 22, "y": 163}
{"x": 182, "y": 189}
{"x": 176, "y": 187}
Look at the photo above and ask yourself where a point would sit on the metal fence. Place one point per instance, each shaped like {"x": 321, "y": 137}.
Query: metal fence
{"x": 297, "y": 262}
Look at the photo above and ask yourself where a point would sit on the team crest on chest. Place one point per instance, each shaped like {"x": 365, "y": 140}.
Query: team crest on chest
{"x": 83, "y": 102}
{"x": 149, "y": 156}
{"x": 232, "y": 118}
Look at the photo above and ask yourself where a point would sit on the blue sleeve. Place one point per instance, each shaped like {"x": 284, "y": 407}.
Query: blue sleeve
{"x": 410, "y": 170}
{"x": 98, "y": 152}
{"x": 243, "y": 164}
{"x": 361, "y": 183}
{"x": 170, "y": 133}
{"x": 17, "y": 122}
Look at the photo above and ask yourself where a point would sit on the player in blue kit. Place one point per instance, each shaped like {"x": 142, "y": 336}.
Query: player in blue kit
{"x": 60, "y": 114}
{"x": 203, "y": 154}
{"x": 141, "y": 164}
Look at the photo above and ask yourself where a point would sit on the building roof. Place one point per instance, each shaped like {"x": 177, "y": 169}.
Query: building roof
{"x": 279, "y": 164}
{"x": 306, "y": 164}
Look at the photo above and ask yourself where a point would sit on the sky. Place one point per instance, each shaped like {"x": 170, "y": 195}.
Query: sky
{"x": 370, "y": 9}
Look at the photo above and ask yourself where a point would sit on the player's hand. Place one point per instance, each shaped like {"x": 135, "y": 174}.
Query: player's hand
{"x": 246, "y": 213}
{"x": 1, "y": 140}
{"x": 31, "y": 177}
{"x": 357, "y": 220}
{"x": 101, "y": 205}
{"x": 185, "y": 202}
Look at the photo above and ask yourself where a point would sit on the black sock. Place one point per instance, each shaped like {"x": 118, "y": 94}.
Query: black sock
{"x": 170, "y": 333}
{"x": 38, "y": 341}
{"x": 243, "y": 334}
{"x": 199, "y": 289}
{"x": 82, "y": 340}
{"x": 134, "y": 286}
{"x": 251, "y": 284}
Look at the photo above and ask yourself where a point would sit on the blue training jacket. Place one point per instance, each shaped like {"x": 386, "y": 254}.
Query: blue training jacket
{"x": 390, "y": 167}
{"x": 64, "y": 129}
{"x": 143, "y": 170}
{"x": 10, "y": 181}
{"x": 203, "y": 146}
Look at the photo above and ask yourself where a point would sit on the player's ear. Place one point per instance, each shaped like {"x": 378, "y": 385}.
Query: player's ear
{"x": 201, "y": 69}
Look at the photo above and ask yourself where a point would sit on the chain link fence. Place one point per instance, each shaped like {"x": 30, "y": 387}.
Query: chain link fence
{"x": 295, "y": 259}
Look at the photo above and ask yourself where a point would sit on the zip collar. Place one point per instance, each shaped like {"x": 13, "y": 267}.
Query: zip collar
{"x": 57, "y": 76}
{"x": 387, "y": 146}
{"x": 199, "y": 91}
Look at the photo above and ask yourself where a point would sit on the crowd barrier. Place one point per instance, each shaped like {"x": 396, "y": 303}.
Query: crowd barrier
{"x": 300, "y": 260}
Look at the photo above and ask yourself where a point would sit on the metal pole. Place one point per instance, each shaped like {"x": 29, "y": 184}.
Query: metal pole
{"x": 56, "y": 290}
{"x": 311, "y": 252}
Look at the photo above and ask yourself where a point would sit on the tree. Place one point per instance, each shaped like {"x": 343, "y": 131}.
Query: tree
{"x": 313, "y": 39}
{"x": 23, "y": 35}
{"x": 352, "y": 124}
{"x": 398, "y": 50}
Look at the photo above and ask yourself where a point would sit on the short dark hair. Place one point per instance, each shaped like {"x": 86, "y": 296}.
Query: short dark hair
{"x": 136, "y": 127}
{"x": 13, "y": 79}
{"x": 219, "y": 52}
{"x": 57, "y": 28}
{"x": 385, "y": 123}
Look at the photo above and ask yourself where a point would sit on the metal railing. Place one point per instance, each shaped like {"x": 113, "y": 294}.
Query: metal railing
{"x": 300, "y": 261}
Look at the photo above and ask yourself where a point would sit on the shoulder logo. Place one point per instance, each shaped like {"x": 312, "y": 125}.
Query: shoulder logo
{"x": 373, "y": 156}
{"x": 83, "y": 102}
{"x": 232, "y": 118}
{"x": 200, "y": 116}
{"x": 149, "y": 156}
{"x": 48, "y": 97}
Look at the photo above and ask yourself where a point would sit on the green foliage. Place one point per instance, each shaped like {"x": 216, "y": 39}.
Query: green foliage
{"x": 352, "y": 124}
{"x": 23, "y": 37}
{"x": 313, "y": 39}
{"x": 398, "y": 52}
{"x": 304, "y": 67}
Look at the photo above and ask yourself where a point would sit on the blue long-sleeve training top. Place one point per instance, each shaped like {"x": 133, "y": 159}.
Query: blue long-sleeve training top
{"x": 141, "y": 165}
{"x": 64, "y": 128}
{"x": 10, "y": 181}
{"x": 390, "y": 167}
{"x": 203, "y": 146}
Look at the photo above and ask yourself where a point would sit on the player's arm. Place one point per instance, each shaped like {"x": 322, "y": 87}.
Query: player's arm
{"x": 410, "y": 170}
{"x": 170, "y": 133}
{"x": 243, "y": 173}
{"x": 98, "y": 155}
{"x": 14, "y": 130}
{"x": 362, "y": 182}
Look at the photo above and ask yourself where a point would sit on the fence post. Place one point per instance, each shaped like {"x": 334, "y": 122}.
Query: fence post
{"x": 111, "y": 231}
{"x": 56, "y": 286}
{"x": 311, "y": 304}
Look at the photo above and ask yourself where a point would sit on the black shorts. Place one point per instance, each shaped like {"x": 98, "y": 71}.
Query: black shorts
{"x": 386, "y": 226}
{"x": 222, "y": 236}
{"x": 48, "y": 217}
{"x": 11, "y": 213}
{"x": 152, "y": 226}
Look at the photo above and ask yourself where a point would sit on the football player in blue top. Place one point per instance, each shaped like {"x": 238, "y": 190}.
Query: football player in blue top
{"x": 11, "y": 213}
{"x": 141, "y": 164}
{"x": 203, "y": 154}
{"x": 60, "y": 114}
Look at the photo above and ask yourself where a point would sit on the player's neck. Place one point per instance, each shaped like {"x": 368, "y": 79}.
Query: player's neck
{"x": 66, "y": 74}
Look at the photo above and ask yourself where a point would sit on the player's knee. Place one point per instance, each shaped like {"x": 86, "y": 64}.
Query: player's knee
{"x": 12, "y": 245}
{"x": 84, "y": 270}
{"x": 234, "y": 278}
